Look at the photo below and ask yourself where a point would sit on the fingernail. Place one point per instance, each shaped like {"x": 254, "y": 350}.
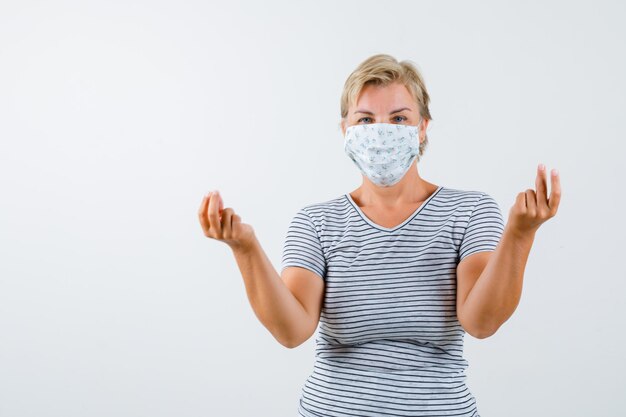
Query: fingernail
{"x": 542, "y": 167}
{"x": 555, "y": 172}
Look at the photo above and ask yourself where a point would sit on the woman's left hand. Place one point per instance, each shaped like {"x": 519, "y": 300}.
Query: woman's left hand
{"x": 532, "y": 209}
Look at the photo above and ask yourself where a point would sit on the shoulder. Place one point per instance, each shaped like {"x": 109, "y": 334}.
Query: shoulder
{"x": 470, "y": 203}
{"x": 463, "y": 198}
{"x": 317, "y": 211}
{"x": 325, "y": 215}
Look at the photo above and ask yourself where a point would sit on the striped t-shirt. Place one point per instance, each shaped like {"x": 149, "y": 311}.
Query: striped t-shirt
{"x": 389, "y": 342}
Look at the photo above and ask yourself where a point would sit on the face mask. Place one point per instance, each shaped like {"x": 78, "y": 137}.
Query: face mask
{"x": 383, "y": 152}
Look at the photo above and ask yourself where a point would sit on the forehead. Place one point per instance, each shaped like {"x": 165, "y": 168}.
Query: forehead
{"x": 377, "y": 97}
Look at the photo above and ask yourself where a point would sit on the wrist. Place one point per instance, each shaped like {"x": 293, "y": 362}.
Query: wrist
{"x": 520, "y": 235}
{"x": 244, "y": 247}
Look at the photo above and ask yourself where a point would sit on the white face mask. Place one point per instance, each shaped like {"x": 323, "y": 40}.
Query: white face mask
{"x": 383, "y": 152}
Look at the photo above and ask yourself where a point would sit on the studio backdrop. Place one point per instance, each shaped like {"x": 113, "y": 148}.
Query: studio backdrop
{"x": 117, "y": 117}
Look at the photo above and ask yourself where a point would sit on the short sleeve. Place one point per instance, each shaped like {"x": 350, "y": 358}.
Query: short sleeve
{"x": 302, "y": 245}
{"x": 484, "y": 228}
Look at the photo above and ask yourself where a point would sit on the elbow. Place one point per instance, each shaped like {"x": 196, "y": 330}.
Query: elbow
{"x": 483, "y": 334}
{"x": 294, "y": 337}
{"x": 478, "y": 331}
{"x": 287, "y": 342}
{"x": 296, "y": 340}
{"x": 487, "y": 331}
{"x": 290, "y": 344}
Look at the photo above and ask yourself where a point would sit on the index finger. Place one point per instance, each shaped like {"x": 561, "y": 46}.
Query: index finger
{"x": 214, "y": 215}
{"x": 541, "y": 185}
{"x": 202, "y": 212}
{"x": 555, "y": 192}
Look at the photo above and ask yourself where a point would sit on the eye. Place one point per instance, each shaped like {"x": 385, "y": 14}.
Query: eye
{"x": 359, "y": 121}
{"x": 402, "y": 118}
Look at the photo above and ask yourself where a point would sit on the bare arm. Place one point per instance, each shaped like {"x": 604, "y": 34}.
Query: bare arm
{"x": 491, "y": 284}
{"x": 288, "y": 306}
{"x": 274, "y": 304}
{"x": 497, "y": 279}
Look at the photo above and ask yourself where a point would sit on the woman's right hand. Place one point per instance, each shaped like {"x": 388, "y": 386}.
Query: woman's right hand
{"x": 223, "y": 224}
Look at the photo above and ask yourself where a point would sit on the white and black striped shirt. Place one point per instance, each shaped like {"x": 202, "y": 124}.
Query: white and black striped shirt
{"x": 389, "y": 342}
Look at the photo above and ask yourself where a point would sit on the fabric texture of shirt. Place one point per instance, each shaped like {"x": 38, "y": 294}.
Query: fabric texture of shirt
{"x": 389, "y": 342}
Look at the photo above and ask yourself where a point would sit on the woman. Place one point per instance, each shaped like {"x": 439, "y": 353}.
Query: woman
{"x": 394, "y": 272}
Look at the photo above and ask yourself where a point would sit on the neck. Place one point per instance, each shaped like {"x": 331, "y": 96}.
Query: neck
{"x": 410, "y": 189}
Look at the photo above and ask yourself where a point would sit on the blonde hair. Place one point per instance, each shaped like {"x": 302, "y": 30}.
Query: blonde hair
{"x": 382, "y": 70}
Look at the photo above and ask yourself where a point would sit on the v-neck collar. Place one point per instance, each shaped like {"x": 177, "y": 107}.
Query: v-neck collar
{"x": 391, "y": 229}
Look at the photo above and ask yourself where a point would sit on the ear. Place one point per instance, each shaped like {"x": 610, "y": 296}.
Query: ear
{"x": 343, "y": 127}
{"x": 424, "y": 126}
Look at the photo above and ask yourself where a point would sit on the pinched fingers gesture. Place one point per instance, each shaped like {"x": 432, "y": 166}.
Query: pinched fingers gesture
{"x": 533, "y": 208}
{"x": 223, "y": 224}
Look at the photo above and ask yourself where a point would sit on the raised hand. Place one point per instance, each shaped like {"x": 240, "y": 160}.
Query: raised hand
{"x": 532, "y": 208}
{"x": 223, "y": 224}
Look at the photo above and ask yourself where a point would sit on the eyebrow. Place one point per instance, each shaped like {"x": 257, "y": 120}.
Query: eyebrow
{"x": 369, "y": 112}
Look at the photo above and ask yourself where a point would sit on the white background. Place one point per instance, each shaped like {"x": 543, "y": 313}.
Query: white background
{"x": 116, "y": 117}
